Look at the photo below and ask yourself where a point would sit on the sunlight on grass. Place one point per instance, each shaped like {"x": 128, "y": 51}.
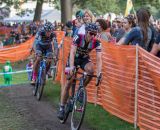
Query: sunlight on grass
{"x": 95, "y": 117}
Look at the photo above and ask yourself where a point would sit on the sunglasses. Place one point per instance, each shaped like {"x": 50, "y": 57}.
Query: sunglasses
{"x": 92, "y": 34}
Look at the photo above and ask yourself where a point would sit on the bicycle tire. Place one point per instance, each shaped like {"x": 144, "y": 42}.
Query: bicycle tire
{"x": 74, "y": 124}
{"x": 41, "y": 85}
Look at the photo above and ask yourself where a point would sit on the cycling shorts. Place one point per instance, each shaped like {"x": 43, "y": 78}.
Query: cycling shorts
{"x": 44, "y": 50}
{"x": 80, "y": 62}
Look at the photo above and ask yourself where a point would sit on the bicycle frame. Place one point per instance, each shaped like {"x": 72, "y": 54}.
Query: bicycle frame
{"x": 41, "y": 67}
{"x": 40, "y": 81}
{"x": 77, "y": 97}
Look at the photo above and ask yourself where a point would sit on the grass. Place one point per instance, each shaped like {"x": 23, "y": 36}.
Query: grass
{"x": 16, "y": 78}
{"x": 95, "y": 117}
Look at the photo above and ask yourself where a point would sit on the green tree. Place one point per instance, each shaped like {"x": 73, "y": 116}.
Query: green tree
{"x": 116, "y": 6}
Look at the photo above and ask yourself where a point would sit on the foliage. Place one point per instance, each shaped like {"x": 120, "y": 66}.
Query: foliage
{"x": 116, "y": 6}
{"x": 99, "y": 6}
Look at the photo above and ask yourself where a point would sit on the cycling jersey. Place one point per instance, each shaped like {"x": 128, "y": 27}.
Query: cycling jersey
{"x": 43, "y": 43}
{"x": 43, "y": 39}
{"x": 84, "y": 48}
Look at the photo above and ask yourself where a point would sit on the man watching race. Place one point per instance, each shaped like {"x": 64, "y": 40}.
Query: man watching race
{"x": 79, "y": 56}
{"x": 46, "y": 42}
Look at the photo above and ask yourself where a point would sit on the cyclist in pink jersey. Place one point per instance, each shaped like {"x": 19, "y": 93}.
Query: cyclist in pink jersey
{"x": 79, "y": 56}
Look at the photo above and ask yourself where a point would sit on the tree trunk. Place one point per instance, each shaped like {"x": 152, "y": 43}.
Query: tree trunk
{"x": 66, "y": 10}
{"x": 38, "y": 11}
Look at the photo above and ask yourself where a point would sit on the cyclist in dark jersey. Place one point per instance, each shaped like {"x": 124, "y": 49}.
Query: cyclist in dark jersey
{"x": 46, "y": 42}
{"x": 79, "y": 56}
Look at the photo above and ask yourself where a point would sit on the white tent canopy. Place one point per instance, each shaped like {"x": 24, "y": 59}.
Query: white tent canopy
{"x": 49, "y": 15}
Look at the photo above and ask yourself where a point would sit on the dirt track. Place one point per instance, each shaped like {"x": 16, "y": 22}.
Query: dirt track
{"x": 38, "y": 115}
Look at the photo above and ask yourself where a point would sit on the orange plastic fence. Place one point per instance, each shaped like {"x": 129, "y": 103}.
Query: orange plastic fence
{"x": 22, "y": 51}
{"x": 117, "y": 91}
{"x": 16, "y": 53}
{"x": 149, "y": 91}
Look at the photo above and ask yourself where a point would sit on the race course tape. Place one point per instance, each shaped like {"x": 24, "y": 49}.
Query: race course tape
{"x": 16, "y": 72}
{"x": 22, "y": 71}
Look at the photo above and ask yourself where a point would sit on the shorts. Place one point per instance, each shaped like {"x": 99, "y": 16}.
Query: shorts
{"x": 80, "y": 62}
{"x": 44, "y": 50}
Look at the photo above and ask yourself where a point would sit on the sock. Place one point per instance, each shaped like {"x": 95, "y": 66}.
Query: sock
{"x": 34, "y": 75}
{"x": 61, "y": 107}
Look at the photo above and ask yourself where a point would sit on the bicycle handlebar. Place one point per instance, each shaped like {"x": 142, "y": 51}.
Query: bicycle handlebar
{"x": 99, "y": 78}
{"x": 85, "y": 73}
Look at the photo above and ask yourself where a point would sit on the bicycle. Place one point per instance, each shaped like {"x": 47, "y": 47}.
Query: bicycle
{"x": 41, "y": 79}
{"x": 77, "y": 101}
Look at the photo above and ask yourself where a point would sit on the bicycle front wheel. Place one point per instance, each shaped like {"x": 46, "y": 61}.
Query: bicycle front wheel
{"x": 78, "y": 109}
{"x": 41, "y": 85}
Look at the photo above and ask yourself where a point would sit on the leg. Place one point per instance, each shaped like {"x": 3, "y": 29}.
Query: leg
{"x": 90, "y": 70}
{"x": 65, "y": 91}
{"x": 49, "y": 54}
{"x": 35, "y": 67}
{"x": 39, "y": 50}
{"x": 64, "y": 98}
{"x": 5, "y": 81}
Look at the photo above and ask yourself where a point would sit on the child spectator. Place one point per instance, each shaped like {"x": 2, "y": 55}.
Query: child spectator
{"x": 29, "y": 68}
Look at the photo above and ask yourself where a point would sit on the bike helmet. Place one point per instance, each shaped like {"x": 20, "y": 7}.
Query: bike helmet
{"x": 92, "y": 27}
{"x": 48, "y": 26}
{"x": 80, "y": 14}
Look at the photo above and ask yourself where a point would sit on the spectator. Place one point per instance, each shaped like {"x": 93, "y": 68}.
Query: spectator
{"x": 88, "y": 17}
{"x": 29, "y": 68}
{"x": 76, "y": 26}
{"x": 143, "y": 34}
{"x": 119, "y": 32}
{"x": 128, "y": 24}
{"x": 7, "y": 77}
{"x": 68, "y": 28}
{"x": 102, "y": 26}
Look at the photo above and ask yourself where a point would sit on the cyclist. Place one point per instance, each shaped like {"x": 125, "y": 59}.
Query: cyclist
{"x": 79, "y": 56}
{"x": 46, "y": 42}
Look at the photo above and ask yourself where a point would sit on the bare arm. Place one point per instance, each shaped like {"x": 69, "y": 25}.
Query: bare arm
{"x": 99, "y": 63}
{"x": 121, "y": 41}
{"x": 99, "y": 59}
{"x": 155, "y": 49}
{"x": 72, "y": 55}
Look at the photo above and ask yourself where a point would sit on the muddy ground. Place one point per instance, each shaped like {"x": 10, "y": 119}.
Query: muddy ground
{"x": 19, "y": 110}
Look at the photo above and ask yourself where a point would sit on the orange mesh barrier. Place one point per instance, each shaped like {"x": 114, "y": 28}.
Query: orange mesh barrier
{"x": 16, "y": 53}
{"x": 149, "y": 91}
{"x": 22, "y": 51}
{"x": 117, "y": 91}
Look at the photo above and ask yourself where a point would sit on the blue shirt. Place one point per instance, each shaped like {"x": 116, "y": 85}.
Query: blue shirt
{"x": 135, "y": 36}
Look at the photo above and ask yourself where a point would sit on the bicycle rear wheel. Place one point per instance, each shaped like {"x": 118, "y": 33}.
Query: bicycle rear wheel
{"x": 41, "y": 85}
{"x": 78, "y": 109}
